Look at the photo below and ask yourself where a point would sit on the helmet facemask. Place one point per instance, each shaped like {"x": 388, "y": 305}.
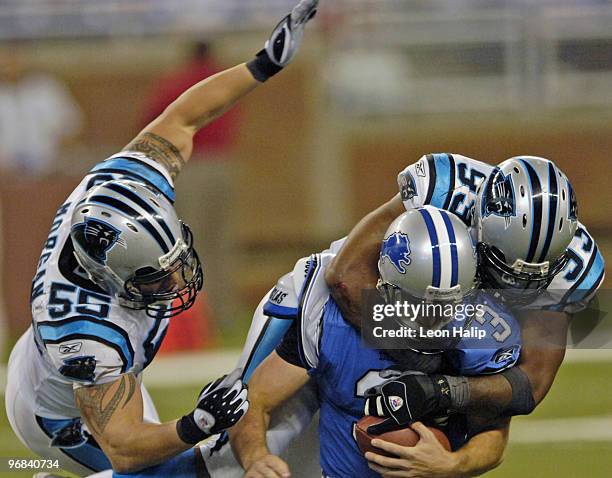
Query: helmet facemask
{"x": 518, "y": 282}
{"x": 173, "y": 288}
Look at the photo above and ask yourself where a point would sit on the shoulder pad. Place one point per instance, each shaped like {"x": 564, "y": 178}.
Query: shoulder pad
{"x": 413, "y": 184}
{"x": 576, "y": 285}
{"x": 85, "y": 351}
{"x": 435, "y": 179}
{"x": 283, "y": 300}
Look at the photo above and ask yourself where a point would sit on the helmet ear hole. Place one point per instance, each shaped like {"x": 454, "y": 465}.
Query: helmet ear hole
{"x": 524, "y": 221}
{"x": 84, "y": 211}
{"x": 516, "y": 170}
{"x": 154, "y": 202}
{"x": 105, "y": 214}
{"x": 131, "y": 227}
{"x": 563, "y": 194}
{"x": 522, "y": 191}
{"x": 561, "y": 224}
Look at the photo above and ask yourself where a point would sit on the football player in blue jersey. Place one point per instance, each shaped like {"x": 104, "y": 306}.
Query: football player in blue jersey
{"x": 428, "y": 256}
{"x": 531, "y": 248}
{"x": 118, "y": 263}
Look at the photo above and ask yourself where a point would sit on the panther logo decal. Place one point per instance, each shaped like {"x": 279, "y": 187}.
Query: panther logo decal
{"x": 396, "y": 248}
{"x": 407, "y": 185}
{"x": 573, "y": 208}
{"x": 499, "y": 197}
{"x": 97, "y": 238}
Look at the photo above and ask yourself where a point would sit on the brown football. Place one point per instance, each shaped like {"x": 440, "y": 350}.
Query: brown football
{"x": 403, "y": 437}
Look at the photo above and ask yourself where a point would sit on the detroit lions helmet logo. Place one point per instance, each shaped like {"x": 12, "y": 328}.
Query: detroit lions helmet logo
{"x": 97, "y": 238}
{"x": 396, "y": 248}
{"x": 499, "y": 197}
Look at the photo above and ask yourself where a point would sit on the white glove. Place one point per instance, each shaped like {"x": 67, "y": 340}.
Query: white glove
{"x": 221, "y": 405}
{"x": 284, "y": 41}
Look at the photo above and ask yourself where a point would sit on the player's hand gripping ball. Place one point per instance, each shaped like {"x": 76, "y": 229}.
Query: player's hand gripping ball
{"x": 403, "y": 437}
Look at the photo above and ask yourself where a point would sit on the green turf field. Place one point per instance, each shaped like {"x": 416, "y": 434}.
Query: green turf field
{"x": 581, "y": 390}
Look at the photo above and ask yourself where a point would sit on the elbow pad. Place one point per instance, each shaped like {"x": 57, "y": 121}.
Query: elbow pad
{"x": 522, "y": 402}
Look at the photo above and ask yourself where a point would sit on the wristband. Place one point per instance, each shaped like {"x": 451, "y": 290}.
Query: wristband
{"x": 262, "y": 68}
{"x": 188, "y": 431}
{"x": 522, "y": 402}
{"x": 459, "y": 392}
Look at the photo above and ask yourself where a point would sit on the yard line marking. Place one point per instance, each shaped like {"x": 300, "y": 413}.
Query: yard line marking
{"x": 585, "y": 429}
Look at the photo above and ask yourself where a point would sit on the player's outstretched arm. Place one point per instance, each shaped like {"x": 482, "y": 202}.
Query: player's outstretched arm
{"x": 428, "y": 459}
{"x": 273, "y": 382}
{"x": 522, "y": 388}
{"x": 113, "y": 413}
{"x": 355, "y": 267}
{"x": 169, "y": 138}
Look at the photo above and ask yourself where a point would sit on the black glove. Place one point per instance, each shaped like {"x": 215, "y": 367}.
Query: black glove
{"x": 284, "y": 41}
{"x": 406, "y": 398}
{"x": 220, "y": 405}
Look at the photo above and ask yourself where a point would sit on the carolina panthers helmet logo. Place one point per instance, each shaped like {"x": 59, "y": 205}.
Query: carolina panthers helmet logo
{"x": 407, "y": 185}
{"x": 573, "y": 206}
{"x": 96, "y": 237}
{"x": 499, "y": 197}
{"x": 396, "y": 248}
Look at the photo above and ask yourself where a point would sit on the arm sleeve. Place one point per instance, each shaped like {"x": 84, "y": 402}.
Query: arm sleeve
{"x": 431, "y": 180}
{"x": 282, "y": 301}
{"x": 573, "y": 289}
{"x": 272, "y": 318}
{"x": 86, "y": 351}
{"x": 288, "y": 348}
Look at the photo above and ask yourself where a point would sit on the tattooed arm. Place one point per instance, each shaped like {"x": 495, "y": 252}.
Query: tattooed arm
{"x": 168, "y": 140}
{"x": 114, "y": 414}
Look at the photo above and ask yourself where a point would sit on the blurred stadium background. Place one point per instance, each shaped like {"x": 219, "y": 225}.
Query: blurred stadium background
{"x": 378, "y": 84}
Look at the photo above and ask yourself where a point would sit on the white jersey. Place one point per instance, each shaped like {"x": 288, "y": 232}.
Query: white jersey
{"x": 82, "y": 335}
{"x": 450, "y": 182}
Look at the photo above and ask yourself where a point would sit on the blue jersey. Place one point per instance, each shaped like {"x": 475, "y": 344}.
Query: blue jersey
{"x": 333, "y": 352}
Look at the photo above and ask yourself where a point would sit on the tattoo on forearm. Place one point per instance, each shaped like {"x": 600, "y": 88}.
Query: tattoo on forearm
{"x": 160, "y": 150}
{"x": 132, "y": 388}
{"x": 99, "y": 403}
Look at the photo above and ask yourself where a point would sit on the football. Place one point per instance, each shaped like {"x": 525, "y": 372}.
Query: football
{"x": 403, "y": 437}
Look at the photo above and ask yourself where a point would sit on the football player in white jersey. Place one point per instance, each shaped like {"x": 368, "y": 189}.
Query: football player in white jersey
{"x": 118, "y": 263}
{"x": 531, "y": 249}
